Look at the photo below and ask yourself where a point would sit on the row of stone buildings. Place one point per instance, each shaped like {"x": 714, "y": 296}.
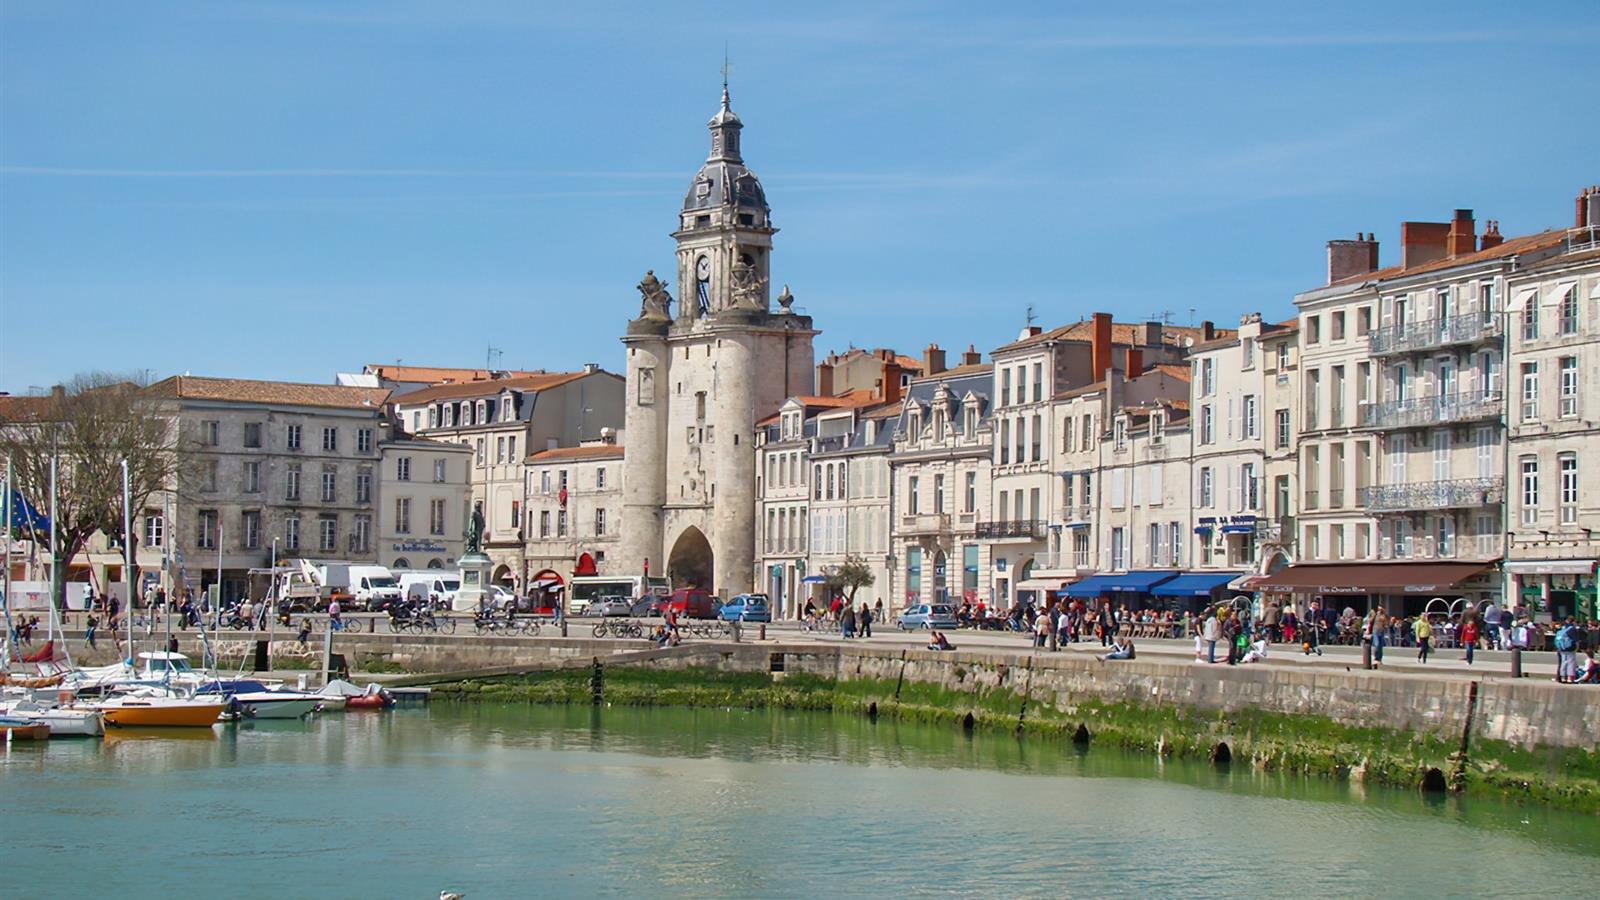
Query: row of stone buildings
{"x": 1411, "y": 431}
{"x": 1415, "y": 430}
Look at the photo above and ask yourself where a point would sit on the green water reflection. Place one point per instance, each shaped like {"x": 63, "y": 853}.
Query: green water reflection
{"x": 517, "y": 801}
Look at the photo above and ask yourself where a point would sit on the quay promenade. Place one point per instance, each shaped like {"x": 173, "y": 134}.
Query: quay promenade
{"x": 1447, "y": 664}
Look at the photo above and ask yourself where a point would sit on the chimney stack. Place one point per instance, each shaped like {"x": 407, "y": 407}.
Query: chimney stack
{"x": 1588, "y": 208}
{"x": 1100, "y": 345}
{"x": 889, "y": 387}
{"x": 1152, "y": 334}
{"x": 932, "y": 360}
{"x": 1491, "y": 235}
{"x": 1349, "y": 258}
{"x": 1423, "y": 242}
{"x": 824, "y": 379}
{"x": 1135, "y": 362}
{"x": 1208, "y": 331}
{"x": 1462, "y": 231}
{"x": 972, "y": 357}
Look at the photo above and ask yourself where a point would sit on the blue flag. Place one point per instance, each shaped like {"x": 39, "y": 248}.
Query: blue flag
{"x": 24, "y": 517}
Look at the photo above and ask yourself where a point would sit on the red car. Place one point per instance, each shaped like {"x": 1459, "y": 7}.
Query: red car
{"x": 691, "y": 603}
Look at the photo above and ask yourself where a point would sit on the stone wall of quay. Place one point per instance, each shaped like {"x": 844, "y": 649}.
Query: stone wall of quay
{"x": 1525, "y": 713}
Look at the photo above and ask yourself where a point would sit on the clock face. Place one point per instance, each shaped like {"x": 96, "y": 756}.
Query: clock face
{"x": 702, "y": 269}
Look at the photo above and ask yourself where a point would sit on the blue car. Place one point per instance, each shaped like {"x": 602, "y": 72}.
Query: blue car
{"x": 746, "y": 608}
{"x": 928, "y": 615}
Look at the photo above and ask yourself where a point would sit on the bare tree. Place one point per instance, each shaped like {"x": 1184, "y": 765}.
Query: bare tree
{"x": 89, "y": 425}
{"x": 848, "y": 577}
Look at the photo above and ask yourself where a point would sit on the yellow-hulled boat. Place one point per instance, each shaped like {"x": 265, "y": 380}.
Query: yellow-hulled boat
{"x": 164, "y": 712}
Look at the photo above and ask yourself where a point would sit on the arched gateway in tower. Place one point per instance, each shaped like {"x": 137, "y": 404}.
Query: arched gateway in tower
{"x": 701, "y": 369}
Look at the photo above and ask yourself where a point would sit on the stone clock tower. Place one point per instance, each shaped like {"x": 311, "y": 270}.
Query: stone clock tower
{"x": 701, "y": 370}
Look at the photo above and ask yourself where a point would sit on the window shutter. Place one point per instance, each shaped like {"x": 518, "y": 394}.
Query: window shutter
{"x": 1138, "y": 489}
{"x": 1231, "y": 432}
{"x": 1156, "y": 497}
{"x": 1198, "y": 475}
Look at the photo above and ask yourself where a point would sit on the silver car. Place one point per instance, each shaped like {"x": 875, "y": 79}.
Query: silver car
{"x": 611, "y": 606}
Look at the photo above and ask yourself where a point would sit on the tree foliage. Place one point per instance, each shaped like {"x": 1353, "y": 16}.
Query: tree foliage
{"x": 89, "y": 425}
{"x": 848, "y": 577}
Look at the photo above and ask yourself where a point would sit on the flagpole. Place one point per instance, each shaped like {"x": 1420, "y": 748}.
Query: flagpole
{"x": 127, "y": 556}
{"x": 5, "y": 516}
{"x": 217, "y": 612}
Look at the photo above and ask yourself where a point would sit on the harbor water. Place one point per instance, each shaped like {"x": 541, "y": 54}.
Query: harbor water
{"x": 514, "y": 801}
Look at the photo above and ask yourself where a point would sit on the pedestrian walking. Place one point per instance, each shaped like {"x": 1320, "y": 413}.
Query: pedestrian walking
{"x": 1423, "y": 629}
{"x": 1469, "y": 636}
{"x": 865, "y": 619}
{"x": 305, "y": 632}
{"x": 847, "y": 621}
{"x": 1566, "y": 642}
{"x": 88, "y": 631}
{"x": 1211, "y": 632}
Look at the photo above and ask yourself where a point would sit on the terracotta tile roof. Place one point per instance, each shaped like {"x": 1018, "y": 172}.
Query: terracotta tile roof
{"x": 1123, "y": 333}
{"x": 1215, "y": 344}
{"x": 908, "y": 362}
{"x": 888, "y": 410}
{"x": 25, "y": 407}
{"x": 576, "y": 454}
{"x": 1524, "y": 244}
{"x": 813, "y": 403}
{"x": 1565, "y": 259}
{"x": 285, "y": 393}
{"x": 435, "y": 374}
{"x": 958, "y": 372}
{"x": 1171, "y": 370}
{"x": 539, "y": 382}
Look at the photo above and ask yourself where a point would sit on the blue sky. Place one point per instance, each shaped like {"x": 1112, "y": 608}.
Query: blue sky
{"x": 287, "y": 190}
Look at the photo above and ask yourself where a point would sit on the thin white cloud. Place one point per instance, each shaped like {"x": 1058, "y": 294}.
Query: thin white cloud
{"x": 72, "y": 172}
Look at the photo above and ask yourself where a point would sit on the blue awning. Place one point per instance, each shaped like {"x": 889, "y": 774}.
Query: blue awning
{"x": 1127, "y": 582}
{"x": 814, "y": 579}
{"x": 1194, "y": 584}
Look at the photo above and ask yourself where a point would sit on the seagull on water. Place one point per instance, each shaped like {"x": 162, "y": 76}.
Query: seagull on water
{"x": 450, "y": 895}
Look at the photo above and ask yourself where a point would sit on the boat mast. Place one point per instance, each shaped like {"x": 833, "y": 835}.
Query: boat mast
{"x": 52, "y": 604}
{"x": 127, "y": 557}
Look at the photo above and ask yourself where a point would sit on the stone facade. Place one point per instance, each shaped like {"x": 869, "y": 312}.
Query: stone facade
{"x": 573, "y": 508}
{"x": 940, "y": 470}
{"x": 269, "y": 463}
{"x": 422, "y": 502}
{"x": 1553, "y": 459}
{"x": 503, "y": 420}
{"x": 699, "y": 377}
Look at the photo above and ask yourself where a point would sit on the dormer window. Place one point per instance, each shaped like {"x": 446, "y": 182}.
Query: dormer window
{"x": 1119, "y": 433}
{"x": 916, "y": 424}
{"x": 1158, "y": 428}
{"x": 505, "y": 408}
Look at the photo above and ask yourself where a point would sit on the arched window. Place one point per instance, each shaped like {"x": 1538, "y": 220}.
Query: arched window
{"x": 483, "y": 412}
{"x": 401, "y": 563}
{"x": 830, "y": 481}
{"x": 436, "y": 563}
{"x": 816, "y": 483}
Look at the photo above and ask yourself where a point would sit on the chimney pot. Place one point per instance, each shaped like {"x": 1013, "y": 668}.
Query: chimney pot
{"x": 932, "y": 360}
{"x": 1460, "y": 239}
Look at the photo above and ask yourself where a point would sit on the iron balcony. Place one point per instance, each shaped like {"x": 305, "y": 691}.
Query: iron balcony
{"x": 1460, "y": 493}
{"x": 1439, "y": 409}
{"x": 1031, "y": 529}
{"x": 1431, "y": 334}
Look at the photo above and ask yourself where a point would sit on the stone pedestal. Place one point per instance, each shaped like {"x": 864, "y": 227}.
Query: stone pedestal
{"x": 474, "y": 582}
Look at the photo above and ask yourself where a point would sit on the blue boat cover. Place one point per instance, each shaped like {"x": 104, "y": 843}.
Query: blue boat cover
{"x": 1127, "y": 582}
{"x": 1194, "y": 584}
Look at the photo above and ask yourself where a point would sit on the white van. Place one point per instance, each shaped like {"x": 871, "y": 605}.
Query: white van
{"x": 441, "y": 585}
{"x": 373, "y": 586}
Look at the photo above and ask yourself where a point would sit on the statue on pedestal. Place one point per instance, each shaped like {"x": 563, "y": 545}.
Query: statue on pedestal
{"x": 656, "y": 303}
{"x": 475, "y": 531}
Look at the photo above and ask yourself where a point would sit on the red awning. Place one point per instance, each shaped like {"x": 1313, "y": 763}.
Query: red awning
{"x": 1370, "y": 577}
{"x": 585, "y": 566}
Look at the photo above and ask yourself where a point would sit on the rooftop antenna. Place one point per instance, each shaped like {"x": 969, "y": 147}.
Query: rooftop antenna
{"x": 489, "y": 356}
{"x": 1191, "y": 317}
{"x": 1163, "y": 316}
{"x": 1030, "y": 316}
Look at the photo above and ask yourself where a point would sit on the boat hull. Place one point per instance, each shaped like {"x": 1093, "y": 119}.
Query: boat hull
{"x": 72, "y": 722}
{"x": 162, "y": 715}
{"x": 24, "y": 731}
{"x": 277, "y": 709}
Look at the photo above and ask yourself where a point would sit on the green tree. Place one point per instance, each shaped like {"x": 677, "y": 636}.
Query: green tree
{"x": 848, "y": 577}
{"x": 89, "y": 426}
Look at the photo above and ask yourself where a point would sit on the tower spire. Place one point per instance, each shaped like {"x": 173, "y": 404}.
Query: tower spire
{"x": 725, "y": 75}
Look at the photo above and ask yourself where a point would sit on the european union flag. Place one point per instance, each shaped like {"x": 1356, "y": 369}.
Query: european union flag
{"x": 25, "y": 518}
